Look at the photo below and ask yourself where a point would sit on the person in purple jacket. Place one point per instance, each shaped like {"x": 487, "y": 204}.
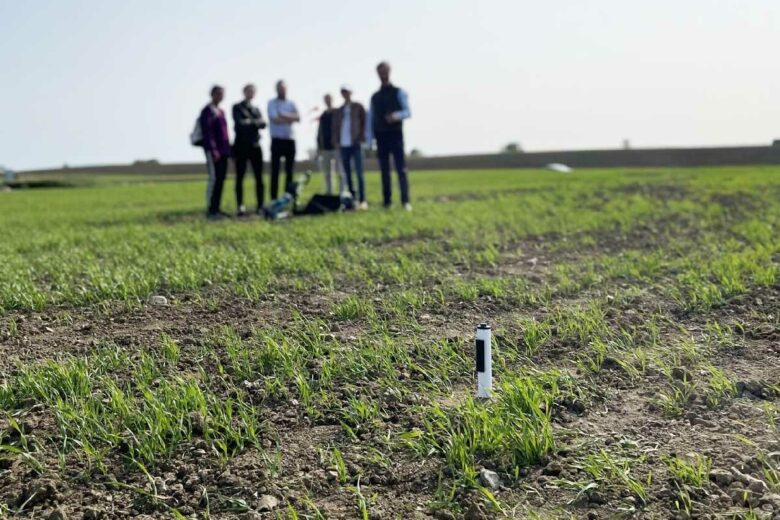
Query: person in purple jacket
{"x": 216, "y": 144}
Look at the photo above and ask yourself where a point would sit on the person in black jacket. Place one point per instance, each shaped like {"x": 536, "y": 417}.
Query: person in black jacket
{"x": 246, "y": 147}
{"x": 388, "y": 110}
{"x": 326, "y": 151}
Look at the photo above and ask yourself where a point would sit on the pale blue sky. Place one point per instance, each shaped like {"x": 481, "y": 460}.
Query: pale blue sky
{"x": 95, "y": 82}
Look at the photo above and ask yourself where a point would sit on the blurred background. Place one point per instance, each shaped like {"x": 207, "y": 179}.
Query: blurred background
{"x": 90, "y": 82}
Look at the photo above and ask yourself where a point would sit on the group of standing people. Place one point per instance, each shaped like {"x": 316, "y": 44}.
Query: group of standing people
{"x": 343, "y": 135}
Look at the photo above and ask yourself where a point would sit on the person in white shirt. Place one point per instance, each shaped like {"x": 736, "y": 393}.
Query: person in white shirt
{"x": 282, "y": 114}
{"x": 349, "y": 130}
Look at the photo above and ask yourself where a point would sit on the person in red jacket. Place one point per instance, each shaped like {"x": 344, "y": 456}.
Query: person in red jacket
{"x": 216, "y": 144}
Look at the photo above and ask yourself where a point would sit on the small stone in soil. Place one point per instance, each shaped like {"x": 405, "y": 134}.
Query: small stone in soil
{"x": 489, "y": 479}
{"x": 158, "y": 300}
{"x": 267, "y": 503}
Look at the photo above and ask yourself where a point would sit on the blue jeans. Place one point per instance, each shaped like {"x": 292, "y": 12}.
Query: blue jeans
{"x": 349, "y": 153}
{"x": 392, "y": 143}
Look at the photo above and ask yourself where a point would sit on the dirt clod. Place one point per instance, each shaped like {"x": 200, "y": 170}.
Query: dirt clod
{"x": 198, "y": 423}
{"x": 93, "y": 513}
{"x": 721, "y": 477}
{"x": 771, "y": 498}
{"x": 475, "y": 512}
{"x": 553, "y": 469}
{"x": 743, "y": 497}
{"x": 443, "y": 514}
{"x": 681, "y": 374}
{"x": 597, "y": 497}
{"x": 754, "y": 390}
{"x": 698, "y": 421}
{"x": 756, "y": 485}
{"x": 57, "y": 514}
{"x": 38, "y": 493}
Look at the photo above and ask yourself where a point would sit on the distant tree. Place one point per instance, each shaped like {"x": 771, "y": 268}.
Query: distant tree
{"x": 512, "y": 148}
{"x": 146, "y": 162}
{"x": 416, "y": 152}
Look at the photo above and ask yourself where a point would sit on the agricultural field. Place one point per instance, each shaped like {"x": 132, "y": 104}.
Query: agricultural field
{"x": 324, "y": 367}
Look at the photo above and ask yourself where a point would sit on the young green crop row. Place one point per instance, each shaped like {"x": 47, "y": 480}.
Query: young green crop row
{"x": 124, "y": 243}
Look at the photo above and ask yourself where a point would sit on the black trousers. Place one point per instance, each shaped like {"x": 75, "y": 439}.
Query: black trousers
{"x": 387, "y": 144}
{"x": 253, "y": 155}
{"x": 217, "y": 173}
{"x": 281, "y": 149}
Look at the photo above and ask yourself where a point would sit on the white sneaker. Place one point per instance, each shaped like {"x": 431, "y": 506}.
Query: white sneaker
{"x": 363, "y": 206}
{"x": 408, "y": 207}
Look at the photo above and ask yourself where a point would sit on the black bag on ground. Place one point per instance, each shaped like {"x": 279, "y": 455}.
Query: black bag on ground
{"x": 320, "y": 204}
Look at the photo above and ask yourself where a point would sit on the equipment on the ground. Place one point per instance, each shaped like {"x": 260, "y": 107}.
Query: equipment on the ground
{"x": 319, "y": 204}
{"x": 285, "y": 205}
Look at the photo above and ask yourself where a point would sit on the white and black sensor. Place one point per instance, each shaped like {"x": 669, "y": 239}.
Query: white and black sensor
{"x": 484, "y": 361}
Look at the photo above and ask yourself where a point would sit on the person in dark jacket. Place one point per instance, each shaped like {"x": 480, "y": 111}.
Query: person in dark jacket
{"x": 349, "y": 130}
{"x": 389, "y": 107}
{"x": 216, "y": 144}
{"x": 246, "y": 148}
{"x": 326, "y": 151}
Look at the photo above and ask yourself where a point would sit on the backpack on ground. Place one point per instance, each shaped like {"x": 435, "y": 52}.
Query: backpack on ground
{"x": 196, "y": 136}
